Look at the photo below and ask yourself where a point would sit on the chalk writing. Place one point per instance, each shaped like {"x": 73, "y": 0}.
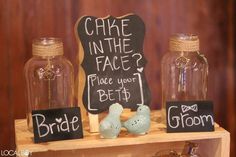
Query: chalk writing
{"x": 190, "y": 116}
{"x": 57, "y": 124}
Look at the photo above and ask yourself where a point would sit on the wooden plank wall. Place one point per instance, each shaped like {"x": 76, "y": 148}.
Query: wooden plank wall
{"x": 213, "y": 20}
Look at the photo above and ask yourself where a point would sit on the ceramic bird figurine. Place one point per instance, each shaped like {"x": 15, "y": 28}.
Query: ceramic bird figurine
{"x": 140, "y": 122}
{"x": 110, "y": 126}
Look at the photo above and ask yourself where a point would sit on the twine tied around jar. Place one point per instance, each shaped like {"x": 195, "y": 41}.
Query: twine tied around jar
{"x": 182, "y": 42}
{"x": 47, "y": 47}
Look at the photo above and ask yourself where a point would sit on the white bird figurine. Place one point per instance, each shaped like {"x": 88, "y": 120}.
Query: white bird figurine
{"x": 140, "y": 122}
{"x": 110, "y": 126}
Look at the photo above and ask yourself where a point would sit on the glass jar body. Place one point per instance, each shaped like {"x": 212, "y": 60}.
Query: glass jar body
{"x": 184, "y": 77}
{"x": 50, "y": 84}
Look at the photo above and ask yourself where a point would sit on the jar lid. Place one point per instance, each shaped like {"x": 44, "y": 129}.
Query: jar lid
{"x": 184, "y": 42}
{"x": 47, "y": 47}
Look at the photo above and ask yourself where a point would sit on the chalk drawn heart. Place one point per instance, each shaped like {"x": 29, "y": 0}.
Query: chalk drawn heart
{"x": 58, "y": 120}
{"x": 140, "y": 69}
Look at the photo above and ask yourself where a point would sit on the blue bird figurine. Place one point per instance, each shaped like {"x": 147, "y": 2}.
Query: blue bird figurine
{"x": 140, "y": 122}
{"x": 110, "y": 126}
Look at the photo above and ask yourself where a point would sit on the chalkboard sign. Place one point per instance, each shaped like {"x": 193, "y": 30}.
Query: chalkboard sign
{"x": 189, "y": 116}
{"x": 113, "y": 62}
{"x": 57, "y": 124}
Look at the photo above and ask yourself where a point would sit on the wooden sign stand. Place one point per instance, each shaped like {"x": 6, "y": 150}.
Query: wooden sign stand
{"x": 93, "y": 118}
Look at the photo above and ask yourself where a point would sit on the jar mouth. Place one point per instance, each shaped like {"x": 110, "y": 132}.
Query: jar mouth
{"x": 47, "y": 46}
{"x": 45, "y": 41}
{"x": 184, "y": 37}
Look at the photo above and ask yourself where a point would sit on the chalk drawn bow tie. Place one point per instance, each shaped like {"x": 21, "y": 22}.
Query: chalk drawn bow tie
{"x": 188, "y": 108}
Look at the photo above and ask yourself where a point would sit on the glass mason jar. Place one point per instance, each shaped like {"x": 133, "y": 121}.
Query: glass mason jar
{"x": 190, "y": 150}
{"x": 166, "y": 153}
{"x": 49, "y": 77}
{"x": 184, "y": 71}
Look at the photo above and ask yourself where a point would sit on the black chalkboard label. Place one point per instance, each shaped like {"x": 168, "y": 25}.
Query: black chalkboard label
{"x": 57, "y": 124}
{"x": 189, "y": 116}
{"x": 113, "y": 62}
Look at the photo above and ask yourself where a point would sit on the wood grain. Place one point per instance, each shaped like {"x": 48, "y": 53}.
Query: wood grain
{"x": 213, "y": 20}
{"x": 5, "y": 78}
{"x": 217, "y": 142}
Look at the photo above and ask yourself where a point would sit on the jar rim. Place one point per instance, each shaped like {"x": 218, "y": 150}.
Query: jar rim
{"x": 46, "y": 41}
{"x": 184, "y": 37}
